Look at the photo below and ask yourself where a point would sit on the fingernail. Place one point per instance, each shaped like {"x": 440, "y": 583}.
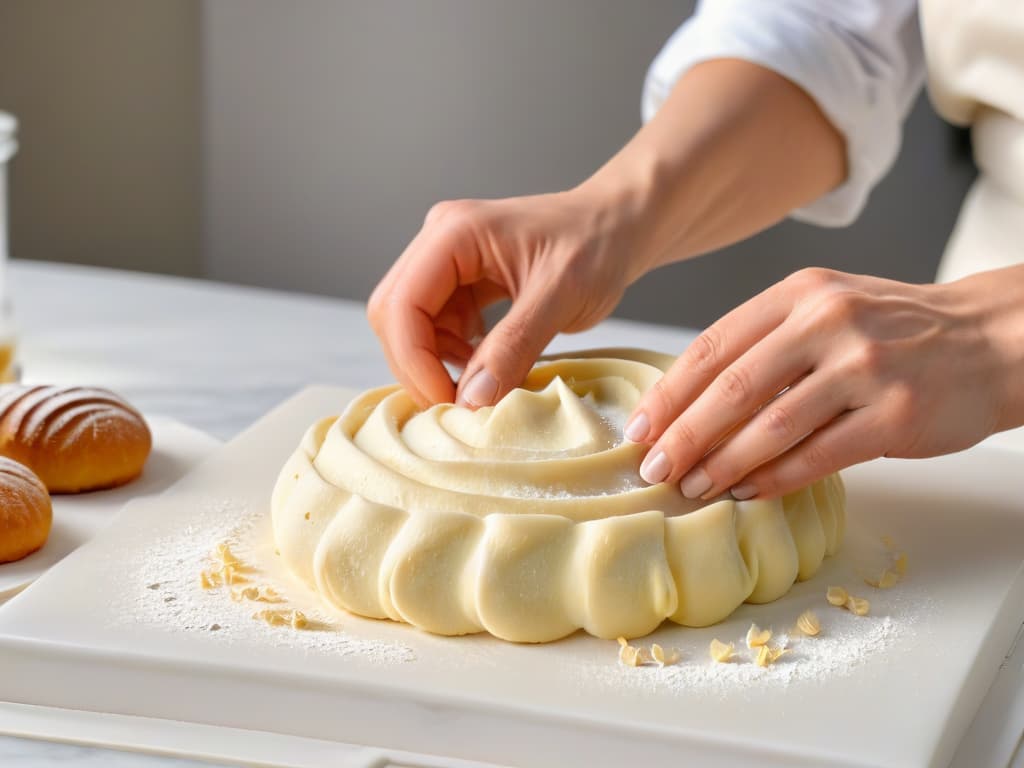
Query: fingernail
{"x": 637, "y": 428}
{"x": 656, "y": 468}
{"x": 695, "y": 483}
{"x": 481, "y": 389}
{"x": 743, "y": 491}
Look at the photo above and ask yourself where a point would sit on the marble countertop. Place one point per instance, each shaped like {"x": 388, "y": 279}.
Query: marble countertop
{"x": 211, "y": 355}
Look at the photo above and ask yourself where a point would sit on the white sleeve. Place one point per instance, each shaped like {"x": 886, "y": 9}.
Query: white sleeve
{"x": 860, "y": 60}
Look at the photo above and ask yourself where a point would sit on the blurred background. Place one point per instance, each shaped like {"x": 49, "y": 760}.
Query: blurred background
{"x": 298, "y": 145}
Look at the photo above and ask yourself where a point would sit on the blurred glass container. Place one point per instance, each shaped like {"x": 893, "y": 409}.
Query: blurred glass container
{"x": 8, "y": 146}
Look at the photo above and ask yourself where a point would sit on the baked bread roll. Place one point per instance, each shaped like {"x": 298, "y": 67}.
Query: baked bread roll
{"x": 25, "y": 511}
{"x": 75, "y": 438}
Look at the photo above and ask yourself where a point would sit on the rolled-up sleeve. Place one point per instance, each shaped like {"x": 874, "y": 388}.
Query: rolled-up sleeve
{"x": 860, "y": 60}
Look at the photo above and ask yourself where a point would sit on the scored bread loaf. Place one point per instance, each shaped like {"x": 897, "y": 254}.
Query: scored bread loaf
{"x": 75, "y": 438}
{"x": 25, "y": 511}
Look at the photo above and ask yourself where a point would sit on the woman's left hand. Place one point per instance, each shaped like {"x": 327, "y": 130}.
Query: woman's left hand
{"x": 824, "y": 370}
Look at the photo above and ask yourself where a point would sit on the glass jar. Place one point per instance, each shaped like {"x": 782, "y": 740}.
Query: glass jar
{"x": 8, "y": 146}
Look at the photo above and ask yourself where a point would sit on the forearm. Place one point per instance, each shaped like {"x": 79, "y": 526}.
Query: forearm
{"x": 733, "y": 150}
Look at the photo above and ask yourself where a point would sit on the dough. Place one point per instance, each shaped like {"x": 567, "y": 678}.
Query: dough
{"x": 529, "y": 519}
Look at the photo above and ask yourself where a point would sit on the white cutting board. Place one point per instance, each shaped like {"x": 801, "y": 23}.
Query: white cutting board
{"x": 78, "y": 517}
{"x": 67, "y": 641}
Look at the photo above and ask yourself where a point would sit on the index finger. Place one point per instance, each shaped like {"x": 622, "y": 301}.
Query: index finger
{"x": 431, "y": 273}
{"x": 704, "y": 360}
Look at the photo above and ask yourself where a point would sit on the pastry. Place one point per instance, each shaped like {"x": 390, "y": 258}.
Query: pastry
{"x": 25, "y": 511}
{"x": 75, "y": 438}
{"x": 529, "y": 519}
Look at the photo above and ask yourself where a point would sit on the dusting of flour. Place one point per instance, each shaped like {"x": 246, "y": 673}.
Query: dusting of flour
{"x": 166, "y": 593}
{"x": 847, "y": 644}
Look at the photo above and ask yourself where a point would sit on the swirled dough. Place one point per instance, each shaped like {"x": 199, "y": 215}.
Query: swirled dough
{"x": 529, "y": 519}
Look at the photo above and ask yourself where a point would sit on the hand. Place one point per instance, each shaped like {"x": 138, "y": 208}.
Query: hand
{"x": 560, "y": 258}
{"x": 704, "y": 172}
{"x": 825, "y": 370}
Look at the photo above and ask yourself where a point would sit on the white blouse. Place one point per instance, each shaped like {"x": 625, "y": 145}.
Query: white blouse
{"x": 860, "y": 60}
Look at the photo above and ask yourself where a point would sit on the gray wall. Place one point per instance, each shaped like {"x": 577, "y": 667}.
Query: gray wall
{"x": 298, "y": 145}
{"x": 107, "y": 96}
{"x": 331, "y": 127}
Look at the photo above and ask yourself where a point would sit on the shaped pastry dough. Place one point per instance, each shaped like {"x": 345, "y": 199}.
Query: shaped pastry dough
{"x": 529, "y": 519}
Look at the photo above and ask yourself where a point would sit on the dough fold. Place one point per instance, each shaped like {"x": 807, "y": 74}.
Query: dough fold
{"x": 529, "y": 520}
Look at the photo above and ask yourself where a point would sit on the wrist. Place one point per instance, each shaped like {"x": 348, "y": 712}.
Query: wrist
{"x": 733, "y": 150}
{"x": 623, "y": 193}
{"x": 995, "y": 300}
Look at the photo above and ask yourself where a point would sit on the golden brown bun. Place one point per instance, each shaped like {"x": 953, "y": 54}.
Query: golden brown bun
{"x": 74, "y": 438}
{"x": 25, "y": 511}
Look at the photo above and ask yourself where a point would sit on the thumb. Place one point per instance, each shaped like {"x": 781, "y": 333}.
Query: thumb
{"x": 507, "y": 353}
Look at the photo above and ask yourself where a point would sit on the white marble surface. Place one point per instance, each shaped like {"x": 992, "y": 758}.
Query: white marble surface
{"x": 211, "y": 355}
{"x": 23, "y": 753}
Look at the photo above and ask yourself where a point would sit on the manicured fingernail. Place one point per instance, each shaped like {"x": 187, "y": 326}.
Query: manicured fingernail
{"x": 743, "y": 491}
{"x": 655, "y": 468}
{"x": 695, "y": 483}
{"x": 481, "y": 389}
{"x": 637, "y": 428}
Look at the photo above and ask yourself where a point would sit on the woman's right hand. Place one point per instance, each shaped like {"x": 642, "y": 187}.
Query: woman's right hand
{"x": 562, "y": 259}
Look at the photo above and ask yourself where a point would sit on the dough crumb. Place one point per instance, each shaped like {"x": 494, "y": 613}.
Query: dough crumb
{"x": 261, "y": 594}
{"x": 837, "y": 596}
{"x": 223, "y": 553}
{"x": 808, "y": 623}
{"x": 281, "y": 618}
{"x": 900, "y": 564}
{"x": 628, "y": 654}
{"x": 721, "y": 652}
{"x": 858, "y": 606}
{"x": 663, "y": 659}
{"x": 767, "y": 655}
{"x": 757, "y": 637}
{"x": 887, "y": 580}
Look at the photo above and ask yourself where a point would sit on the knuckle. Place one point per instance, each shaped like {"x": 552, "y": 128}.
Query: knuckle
{"x": 810, "y": 279}
{"x": 832, "y": 310}
{"x": 766, "y": 482}
{"x": 706, "y": 350}
{"x": 734, "y": 386}
{"x": 447, "y": 210}
{"x": 869, "y": 358}
{"x": 375, "y": 311}
{"x": 660, "y": 402}
{"x": 723, "y": 466}
{"x": 817, "y": 459}
{"x": 778, "y": 422}
{"x": 840, "y": 308}
{"x": 514, "y": 331}
{"x": 438, "y": 211}
{"x": 681, "y": 441}
{"x": 508, "y": 346}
